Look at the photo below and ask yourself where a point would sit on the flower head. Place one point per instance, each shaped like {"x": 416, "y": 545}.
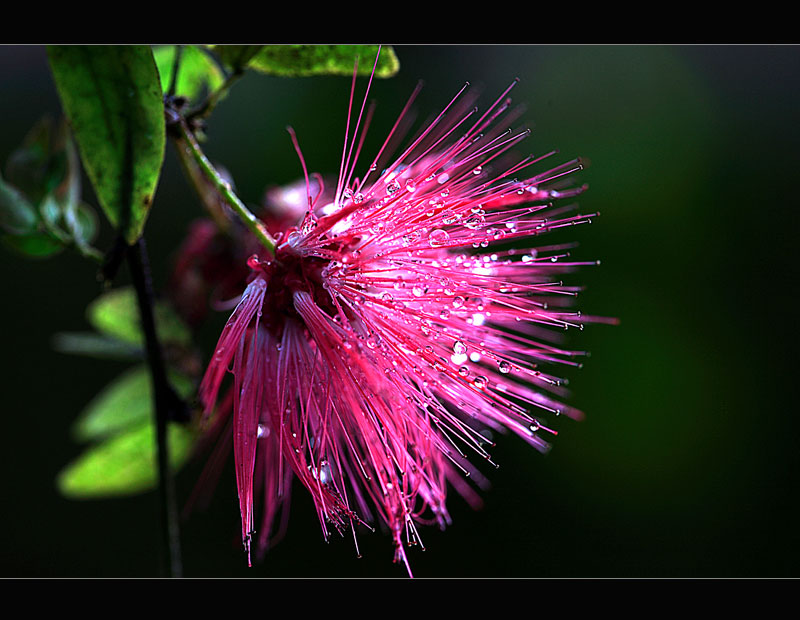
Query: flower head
{"x": 399, "y": 322}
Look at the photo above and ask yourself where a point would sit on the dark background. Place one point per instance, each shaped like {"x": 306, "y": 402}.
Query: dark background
{"x": 687, "y": 463}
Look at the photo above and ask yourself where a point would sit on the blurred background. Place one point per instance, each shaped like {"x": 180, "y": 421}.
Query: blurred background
{"x": 687, "y": 462}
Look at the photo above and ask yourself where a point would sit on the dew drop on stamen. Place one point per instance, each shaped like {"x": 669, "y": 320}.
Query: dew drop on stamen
{"x": 459, "y": 348}
{"x": 504, "y": 367}
{"x": 438, "y": 238}
{"x": 474, "y": 221}
{"x": 480, "y": 382}
{"x": 463, "y": 371}
{"x": 458, "y": 301}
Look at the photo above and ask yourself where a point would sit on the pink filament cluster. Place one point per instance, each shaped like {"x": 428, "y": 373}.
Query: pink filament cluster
{"x": 399, "y": 323}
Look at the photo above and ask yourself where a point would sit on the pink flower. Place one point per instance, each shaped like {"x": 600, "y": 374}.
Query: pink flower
{"x": 397, "y": 324}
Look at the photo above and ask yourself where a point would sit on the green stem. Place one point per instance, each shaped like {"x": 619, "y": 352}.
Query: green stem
{"x": 255, "y": 225}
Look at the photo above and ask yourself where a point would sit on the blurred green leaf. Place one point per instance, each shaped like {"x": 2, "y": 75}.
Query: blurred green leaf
{"x": 92, "y": 344}
{"x": 46, "y": 178}
{"x": 307, "y": 60}
{"x": 237, "y": 56}
{"x": 113, "y": 100}
{"x": 197, "y": 71}
{"x": 116, "y": 314}
{"x": 123, "y": 403}
{"x": 46, "y": 164}
{"x": 17, "y": 215}
{"x": 124, "y": 464}
{"x": 33, "y": 245}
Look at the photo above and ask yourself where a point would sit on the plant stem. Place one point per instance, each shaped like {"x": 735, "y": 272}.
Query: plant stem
{"x": 166, "y": 405}
{"x": 255, "y": 225}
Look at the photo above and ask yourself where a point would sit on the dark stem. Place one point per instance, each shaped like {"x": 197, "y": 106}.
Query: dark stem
{"x": 167, "y": 407}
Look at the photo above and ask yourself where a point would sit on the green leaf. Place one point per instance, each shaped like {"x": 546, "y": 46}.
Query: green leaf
{"x": 113, "y": 100}
{"x": 124, "y": 464}
{"x": 17, "y": 215}
{"x": 33, "y": 245}
{"x": 197, "y": 71}
{"x": 237, "y": 56}
{"x": 95, "y": 345}
{"x": 125, "y": 402}
{"x": 307, "y": 60}
{"x": 116, "y": 314}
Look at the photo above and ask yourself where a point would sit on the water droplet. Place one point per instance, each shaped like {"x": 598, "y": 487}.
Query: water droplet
{"x": 358, "y": 198}
{"x": 463, "y": 371}
{"x": 392, "y": 187}
{"x": 474, "y": 221}
{"x": 438, "y": 237}
{"x": 411, "y": 238}
{"x": 411, "y": 185}
{"x": 458, "y": 301}
{"x": 262, "y": 432}
{"x": 477, "y": 170}
{"x": 504, "y": 367}
{"x": 445, "y": 313}
{"x": 436, "y": 202}
{"x": 387, "y": 297}
{"x": 418, "y": 290}
{"x": 459, "y": 348}
{"x": 480, "y": 382}
{"x": 293, "y": 238}
{"x": 449, "y": 218}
